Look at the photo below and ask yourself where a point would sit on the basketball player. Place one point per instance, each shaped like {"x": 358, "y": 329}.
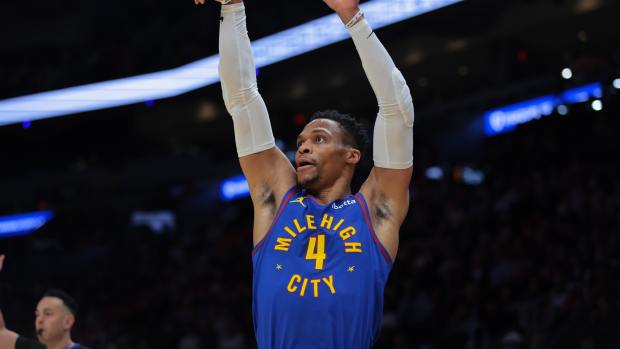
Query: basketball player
{"x": 321, "y": 254}
{"x": 55, "y": 316}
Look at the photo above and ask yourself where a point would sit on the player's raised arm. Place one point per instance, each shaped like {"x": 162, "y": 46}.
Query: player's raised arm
{"x": 387, "y": 186}
{"x": 268, "y": 171}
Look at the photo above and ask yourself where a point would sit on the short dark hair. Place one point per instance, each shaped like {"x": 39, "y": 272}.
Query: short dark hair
{"x": 355, "y": 133}
{"x": 69, "y": 301}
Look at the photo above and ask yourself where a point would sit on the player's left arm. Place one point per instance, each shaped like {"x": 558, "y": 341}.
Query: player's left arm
{"x": 387, "y": 187}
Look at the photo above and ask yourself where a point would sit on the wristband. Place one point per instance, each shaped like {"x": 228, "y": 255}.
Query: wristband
{"x": 355, "y": 19}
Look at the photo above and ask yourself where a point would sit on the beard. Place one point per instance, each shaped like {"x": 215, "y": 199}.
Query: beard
{"x": 308, "y": 183}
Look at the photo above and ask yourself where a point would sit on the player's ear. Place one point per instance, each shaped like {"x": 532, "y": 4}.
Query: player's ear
{"x": 69, "y": 321}
{"x": 353, "y": 156}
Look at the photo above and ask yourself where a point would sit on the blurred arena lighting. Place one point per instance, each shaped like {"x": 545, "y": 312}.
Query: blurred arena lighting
{"x": 234, "y": 188}
{"x": 582, "y": 93}
{"x": 567, "y": 73}
{"x": 506, "y": 118}
{"x": 597, "y": 105}
{"x": 159, "y": 222}
{"x": 472, "y": 176}
{"x": 24, "y": 223}
{"x": 587, "y": 5}
{"x": 173, "y": 82}
{"x": 434, "y": 173}
{"x": 467, "y": 175}
{"x": 207, "y": 111}
{"x": 562, "y": 109}
{"x": 616, "y": 84}
{"x": 582, "y": 36}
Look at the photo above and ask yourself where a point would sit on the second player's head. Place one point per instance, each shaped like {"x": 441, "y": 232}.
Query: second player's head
{"x": 55, "y": 316}
{"x": 328, "y": 149}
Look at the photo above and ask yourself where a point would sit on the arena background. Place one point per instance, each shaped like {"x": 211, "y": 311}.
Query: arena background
{"x": 512, "y": 239}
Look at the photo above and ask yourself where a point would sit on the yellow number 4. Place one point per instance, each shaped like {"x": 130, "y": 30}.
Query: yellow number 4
{"x": 316, "y": 250}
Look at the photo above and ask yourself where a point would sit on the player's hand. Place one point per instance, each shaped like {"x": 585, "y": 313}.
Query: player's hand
{"x": 1, "y": 261}
{"x": 342, "y": 5}
{"x": 345, "y": 9}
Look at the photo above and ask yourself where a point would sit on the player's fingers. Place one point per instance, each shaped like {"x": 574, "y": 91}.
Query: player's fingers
{"x": 1, "y": 260}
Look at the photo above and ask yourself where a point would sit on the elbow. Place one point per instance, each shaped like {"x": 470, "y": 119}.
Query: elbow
{"x": 237, "y": 98}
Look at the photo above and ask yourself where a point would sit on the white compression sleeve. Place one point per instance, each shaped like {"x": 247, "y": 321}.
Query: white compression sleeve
{"x": 239, "y": 88}
{"x": 393, "y": 134}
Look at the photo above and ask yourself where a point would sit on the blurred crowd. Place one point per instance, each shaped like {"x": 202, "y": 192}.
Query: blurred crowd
{"x": 529, "y": 258}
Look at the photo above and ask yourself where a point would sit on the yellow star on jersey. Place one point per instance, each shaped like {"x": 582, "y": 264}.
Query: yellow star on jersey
{"x": 299, "y": 200}
{"x": 278, "y": 266}
{"x": 351, "y": 269}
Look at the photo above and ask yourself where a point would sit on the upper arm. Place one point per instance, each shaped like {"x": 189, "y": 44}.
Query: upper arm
{"x": 387, "y": 193}
{"x": 270, "y": 175}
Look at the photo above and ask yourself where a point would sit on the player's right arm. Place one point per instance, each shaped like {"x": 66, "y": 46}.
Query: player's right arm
{"x": 268, "y": 171}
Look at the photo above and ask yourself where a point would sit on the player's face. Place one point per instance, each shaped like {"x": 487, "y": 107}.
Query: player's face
{"x": 321, "y": 154}
{"x": 52, "y": 320}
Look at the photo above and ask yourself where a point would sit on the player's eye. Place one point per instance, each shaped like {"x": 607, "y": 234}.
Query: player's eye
{"x": 320, "y": 139}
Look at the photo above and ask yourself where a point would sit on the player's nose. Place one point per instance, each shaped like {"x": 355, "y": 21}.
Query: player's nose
{"x": 304, "y": 148}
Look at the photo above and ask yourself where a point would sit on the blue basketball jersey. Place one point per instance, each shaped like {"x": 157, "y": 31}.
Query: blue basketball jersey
{"x": 319, "y": 276}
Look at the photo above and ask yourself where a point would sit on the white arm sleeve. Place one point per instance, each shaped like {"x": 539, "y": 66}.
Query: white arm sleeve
{"x": 238, "y": 75}
{"x": 393, "y": 134}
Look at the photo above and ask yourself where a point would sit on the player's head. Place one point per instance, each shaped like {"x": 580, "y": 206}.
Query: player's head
{"x": 328, "y": 149}
{"x": 55, "y": 316}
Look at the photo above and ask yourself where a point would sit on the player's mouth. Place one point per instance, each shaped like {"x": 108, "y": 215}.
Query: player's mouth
{"x": 304, "y": 164}
{"x": 40, "y": 332}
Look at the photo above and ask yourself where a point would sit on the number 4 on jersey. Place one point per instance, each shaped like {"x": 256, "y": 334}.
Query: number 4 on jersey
{"x": 316, "y": 251}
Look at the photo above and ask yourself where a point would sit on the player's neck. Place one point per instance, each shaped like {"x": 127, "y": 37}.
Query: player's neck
{"x": 338, "y": 190}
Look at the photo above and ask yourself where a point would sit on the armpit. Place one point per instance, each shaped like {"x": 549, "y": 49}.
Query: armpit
{"x": 266, "y": 196}
{"x": 382, "y": 210}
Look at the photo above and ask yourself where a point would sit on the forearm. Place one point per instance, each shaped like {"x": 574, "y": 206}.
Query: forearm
{"x": 7, "y": 339}
{"x": 236, "y": 66}
{"x": 239, "y": 87}
{"x": 378, "y": 66}
{"x": 393, "y": 133}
